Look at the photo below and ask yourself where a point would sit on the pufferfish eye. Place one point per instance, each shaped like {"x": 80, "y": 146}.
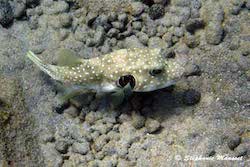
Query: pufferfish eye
{"x": 155, "y": 72}
{"x": 124, "y": 80}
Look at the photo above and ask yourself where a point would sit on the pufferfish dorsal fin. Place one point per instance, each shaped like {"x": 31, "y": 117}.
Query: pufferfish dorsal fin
{"x": 67, "y": 57}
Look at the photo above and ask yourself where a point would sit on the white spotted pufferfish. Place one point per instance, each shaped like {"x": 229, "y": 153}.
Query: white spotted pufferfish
{"x": 119, "y": 72}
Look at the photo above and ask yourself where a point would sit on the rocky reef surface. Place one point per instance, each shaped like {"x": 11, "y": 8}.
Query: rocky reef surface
{"x": 204, "y": 116}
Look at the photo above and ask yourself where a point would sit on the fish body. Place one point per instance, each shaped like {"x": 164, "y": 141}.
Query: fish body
{"x": 151, "y": 71}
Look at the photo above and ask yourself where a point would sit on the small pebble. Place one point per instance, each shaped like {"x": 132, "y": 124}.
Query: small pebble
{"x": 161, "y": 30}
{"x": 247, "y": 73}
{"x": 31, "y": 12}
{"x": 151, "y": 31}
{"x": 191, "y": 41}
{"x": 101, "y": 20}
{"x": 63, "y": 34}
{"x": 193, "y": 24}
{"x": 112, "y": 42}
{"x": 192, "y": 70}
{"x": 51, "y": 156}
{"x": 123, "y": 17}
{"x": 242, "y": 150}
{"x": 125, "y": 34}
{"x": 81, "y": 148}
{"x": 33, "y": 22}
{"x": 124, "y": 118}
{"x": 234, "y": 43}
{"x": 176, "y": 21}
{"x": 137, "y": 25}
{"x": 210, "y": 152}
{"x": 248, "y": 4}
{"x": 61, "y": 146}
{"x": 71, "y": 111}
{"x": 155, "y": 42}
{"x": 105, "y": 48}
{"x": 65, "y": 20}
{"x": 112, "y": 16}
{"x": 47, "y": 137}
{"x": 195, "y": 13}
{"x": 6, "y": 14}
{"x": 196, "y": 4}
{"x": 133, "y": 42}
{"x": 245, "y": 48}
{"x": 123, "y": 163}
{"x": 82, "y": 33}
{"x": 156, "y": 11}
{"x": 167, "y": 37}
{"x": 113, "y": 32}
{"x": 100, "y": 141}
{"x": 165, "y": 21}
{"x": 243, "y": 62}
{"x": 138, "y": 121}
{"x": 91, "y": 117}
{"x": 184, "y": 14}
{"x": 120, "y": 44}
{"x": 102, "y": 128}
{"x": 99, "y": 36}
{"x": 152, "y": 125}
{"x": 90, "y": 18}
{"x": 4, "y": 116}
{"x": 118, "y": 25}
{"x": 233, "y": 142}
{"x": 19, "y": 9}
{"x": 168, "y": 53}
{"x": 82, "y": 116}
{"x": 143, "y": 37}
{"x": 59, "y": 105}
{"x": 191, "y": 97}
{"x": 137, "y": 8}
{"x": 178, "y": 31}
{"x": 235, "y": 10}
{"x": 94, "y": 163}
{"x": 57, "y": 8}
{"x": 182, "y": 49}
{"x": 214, "y": 33}
{"x": 90, "y": 42}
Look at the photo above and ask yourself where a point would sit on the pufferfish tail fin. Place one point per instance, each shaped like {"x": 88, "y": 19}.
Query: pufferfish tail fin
{"x": 51, "y": 70}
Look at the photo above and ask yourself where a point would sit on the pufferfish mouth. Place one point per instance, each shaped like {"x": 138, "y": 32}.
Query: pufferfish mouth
{"x": 125, "y": 79}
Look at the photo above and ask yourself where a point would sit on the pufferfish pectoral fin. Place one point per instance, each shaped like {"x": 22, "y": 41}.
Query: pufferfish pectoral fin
{"x": 128, "y": 90}
{"x": 117, "y": 98}
{"x": 68, "y": 58}
{"x": 121, "y": 94}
